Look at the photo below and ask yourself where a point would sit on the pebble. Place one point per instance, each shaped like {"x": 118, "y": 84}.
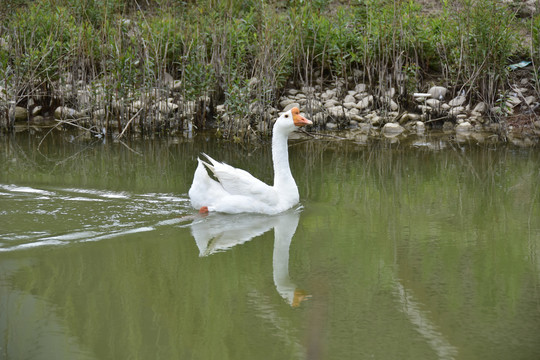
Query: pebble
{"x": 457, "y": 101}
{"x": 392, "y": 128}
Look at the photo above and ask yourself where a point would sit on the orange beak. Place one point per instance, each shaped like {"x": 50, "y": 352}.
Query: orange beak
{"x": 298, "y": 119}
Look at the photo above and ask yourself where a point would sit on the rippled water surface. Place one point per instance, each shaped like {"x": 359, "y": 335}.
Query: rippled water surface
{"x": 422, "y": 251}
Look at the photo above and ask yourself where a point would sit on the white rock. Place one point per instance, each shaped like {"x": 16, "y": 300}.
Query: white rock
{"x": 420, "y": 126}
{"x": 513, "y": 101}
{"x": 63, "y": 112}
{"x": 349, "y": 105}
{"x": 457, "y": 101}
{"x": 353, "y": 111}
{"x": 390, "y": 92}
{"x": 393, "y": 128}
{"x": 375, "y": 120}
{"x": 290, "y": 106}
{"x": 456, "y": 110}
{"x": 349, "y": 99}
{"x": 37, "y": 110}
{"x": 438, "y": 92}
{"x": 434, "y": 103}
{"x": 308, "y": 89}
{"x": 336, "y": 111}
{"x": 365, "y": 102}
{"x": 331, "y": 103}
{"x": 285, "y": 102}
{"x": 360, "y": 88}
{"x": 165, "y": 107}
{"x": 292, "y": 92}
{"x": 530, "y": 99}
{"x": 464, "y": 127}
{"x": 319, "y": 118}
{"x": 480, "y": 107}
{"x": 331, "y": 126}
{"x": 425, "y": 109}
{"x": 356, "y": 117}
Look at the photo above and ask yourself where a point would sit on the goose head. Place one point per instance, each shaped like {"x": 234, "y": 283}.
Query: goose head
{"x": 290, "y": 121}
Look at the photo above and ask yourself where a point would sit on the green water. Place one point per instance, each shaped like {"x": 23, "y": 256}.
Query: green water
{"x": 423, "y": 251}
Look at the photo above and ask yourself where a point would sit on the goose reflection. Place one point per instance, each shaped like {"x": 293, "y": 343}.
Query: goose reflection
{"x": 220, "y": 232}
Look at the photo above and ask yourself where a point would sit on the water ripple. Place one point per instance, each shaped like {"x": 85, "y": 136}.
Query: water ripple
{"x": 34, "y": 217}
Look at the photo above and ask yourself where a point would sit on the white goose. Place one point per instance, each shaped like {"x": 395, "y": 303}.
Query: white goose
{"x": 237, "y": 191}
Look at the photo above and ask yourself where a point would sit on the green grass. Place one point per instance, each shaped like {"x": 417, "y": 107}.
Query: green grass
{"x": 216, "y": 47}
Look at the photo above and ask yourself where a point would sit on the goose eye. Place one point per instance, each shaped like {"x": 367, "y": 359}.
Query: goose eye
{"x": 287, "y": 115}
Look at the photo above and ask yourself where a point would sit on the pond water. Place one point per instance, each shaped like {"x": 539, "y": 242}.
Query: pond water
{"x": 423, "y": 251}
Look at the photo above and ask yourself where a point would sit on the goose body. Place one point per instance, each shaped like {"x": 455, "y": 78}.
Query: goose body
{"x": 237, "y": 191}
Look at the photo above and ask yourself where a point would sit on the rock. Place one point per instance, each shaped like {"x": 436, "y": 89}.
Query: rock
{"x": 457, "y": 101}
{"x": 315, "y": 106}
{"x": 331, "y": 103}
{"x": 292, "y": 92}
{"x": 425, "y": 109}
{"x": 349, "y": 105}
{"x": 290, "y": 106}
{"x": 406, "y": 117}
{"x": 537, "y": 124}
{"x": 349, "y": 99}
{"x": 530, "y": 99}
{"x": 336, "y": 111}
{"x": 318, "y": 118}
{"x": 64, "y": 112}
{"x": 359, "y": 88}
{"x": 285, "y": 102}
{"x": 165, "y": 107}
{"x": 331, "y": 126}
{"x": 456, "y": 110}
{"x": 375, "y": 120}
{"x": 527, "y": 9}
{"x": 328, "y": 94}
{"x": 365, "y": 102}
{"x": 438, "y": 92}
{"x": 356, "y": 117}
{"x": 513, "y": 101}
{"x": 434, "y": 103}
{"x": 420, "y": 126}
{"x": 19, "y": 113}
{"x": 392, "y": 129}
{"x": 480, "y": 107}
{"x": 464, "y": 127}
{"x": 390, "y": 92}
{"x": 308, "y": 89}
{"x": 37, "y": 110}
{"x": 392, "y": 104}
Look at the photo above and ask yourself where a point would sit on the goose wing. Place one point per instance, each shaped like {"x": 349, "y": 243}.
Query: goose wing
{"x": 239, "y": 182}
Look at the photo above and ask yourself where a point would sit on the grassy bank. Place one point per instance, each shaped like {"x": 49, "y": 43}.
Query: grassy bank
{"x": 122, "y": 65}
